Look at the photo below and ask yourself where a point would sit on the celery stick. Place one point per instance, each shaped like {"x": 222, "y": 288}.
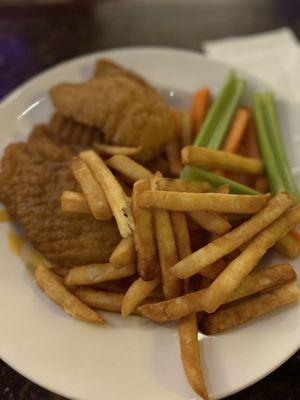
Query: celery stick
{"x": 221, "y": 129}
{"x": 199, "y": 174}
{"x": 276, "y": 143}
{"x": 215, "y": 112}
{"x": 271, "y": 164}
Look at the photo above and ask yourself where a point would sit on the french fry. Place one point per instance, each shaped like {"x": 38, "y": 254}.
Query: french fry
{"x": 238, "y": 313}
{"x": 110, "y": 150}
{"x": 60, "y": 271}
{"x": 213, "y": 270}
{"x": 15, "y": 242}
{"x": 94, "y": 273}
{"x": 128, "y": 168}
{"x": 265, "y": 278}
{"x": 183, "y": 185}
{"x": 74, "y": 202}
{"x": 105, "y": 300}
{"x": 186, "y": 128}
{"x": 287, "y": 246}
{"x": 224, "y": 285}
{"x": 100, "y": 299}
{"x": 232, "y": 240}
{"x": 92, "y": 190}
{"x": 124, "y": 253}
{"x": 181, "y": 233}
{"x": 61, "y": 296}
{"x": 144, "y": 235}
{"x": 118, "y": 201}
{"x": 218, "y": 202}
{"x": 4, "y": 216}
{"x": 167, "y": 250}
{"x": 187, "y": 326}
{"x": 211, "y": 221}
{"x": 190, "y": 354}
{"x": 210, "y": 158}
{"x": 137, "y": 293}
{"x": 173, "y": 157}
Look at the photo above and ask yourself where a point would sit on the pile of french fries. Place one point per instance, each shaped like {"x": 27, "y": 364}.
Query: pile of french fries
{"x": 156, "y": 271}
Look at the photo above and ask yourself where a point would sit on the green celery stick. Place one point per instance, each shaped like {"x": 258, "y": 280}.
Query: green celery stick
{"x": 199, "y": 174}
{"x": 215, "y": 112}
{"x": 276, "y": 143}
{"x": 271, "y": 164}
{"x": 221, "y": 129}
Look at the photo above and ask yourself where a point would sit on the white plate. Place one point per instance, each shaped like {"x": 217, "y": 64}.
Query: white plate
{"x": 132, "y": 359}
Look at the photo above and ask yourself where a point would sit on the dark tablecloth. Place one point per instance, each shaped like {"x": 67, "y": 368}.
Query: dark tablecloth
{"x": 35, "y": 38}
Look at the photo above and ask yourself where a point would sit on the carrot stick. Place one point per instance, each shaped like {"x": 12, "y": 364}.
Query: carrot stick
{"x": 295, "y": 235}
{"x": 236, "y": 131}
{"x": 259, "y": 183}
{"x": 200, "y": 105}
{"x": 250, "y": 139}
{"x": 177, "y": 118}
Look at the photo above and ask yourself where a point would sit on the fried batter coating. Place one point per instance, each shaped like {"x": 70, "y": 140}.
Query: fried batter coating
{"x": 67, "y": 131}
{"x": 128, "y": 113}
{"x": 32, "y": 179}
{"x": 106, "y": 68}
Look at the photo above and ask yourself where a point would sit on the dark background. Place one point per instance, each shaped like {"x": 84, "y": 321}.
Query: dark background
{"x": 35, "y": 37}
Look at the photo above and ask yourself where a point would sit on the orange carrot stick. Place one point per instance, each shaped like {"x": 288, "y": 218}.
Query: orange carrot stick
{"x": 200, "y": 105}
{"x": 259, "y": 183}
{"x": 236, "y": 131}
{"x": 177, "y": 118}
{"x": 295, "y": 235}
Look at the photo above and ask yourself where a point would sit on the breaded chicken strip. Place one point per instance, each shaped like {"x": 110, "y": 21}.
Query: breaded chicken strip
{"x": 106, "y": 68}
{"x": 128, "y": 113}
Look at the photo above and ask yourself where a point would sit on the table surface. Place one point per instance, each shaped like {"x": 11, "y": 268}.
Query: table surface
{"x": 33, "y": 39}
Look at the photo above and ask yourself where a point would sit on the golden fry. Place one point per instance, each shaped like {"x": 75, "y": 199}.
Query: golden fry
{"x": 144, "y": 235}
{"x": 167, "y": 250}
{"x": 181, "y": 233}
{"x": 128, "y": 168}
{"x": 4, "y": 216}
{"x": 224, "y": 285}
{"x": 190, "y": 353}
{"x": 110, "y": 150}
{"x": 124, "y": 253}
{"x": 287, "y": 246}
{"x": 173, "y": 157}
{"x": 238, "y": 313}
{"x": 92, "y": 190}
{"x": 137, "y": 293}
{"x": 233, "y": 239}
{"x": 182, "y": 185}
{"x": 218, "y": 202}
{"x": 94, "y": 273}
{"x": 100, "y": 299}
{"x": 187, "y": 326}
{"x": 186, "y": 128}
{"x": 117, "y": 199}
{"x": 210, "y": 158}
{"x": 60, "y": 295}
{"x": 74, "y": 202}
{"x": 261, "y": 280}
{"x": 211, "y": 221}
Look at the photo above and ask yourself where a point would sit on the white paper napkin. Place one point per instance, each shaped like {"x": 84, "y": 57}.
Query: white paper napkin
{"x": 273, "y": 57}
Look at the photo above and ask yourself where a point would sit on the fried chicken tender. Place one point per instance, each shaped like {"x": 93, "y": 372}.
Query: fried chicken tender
{"x": 32, "y": 179}
{"x": 106, "y": 68}
{"x": 128, "y": 113}
{"x": 67, "y": 131}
